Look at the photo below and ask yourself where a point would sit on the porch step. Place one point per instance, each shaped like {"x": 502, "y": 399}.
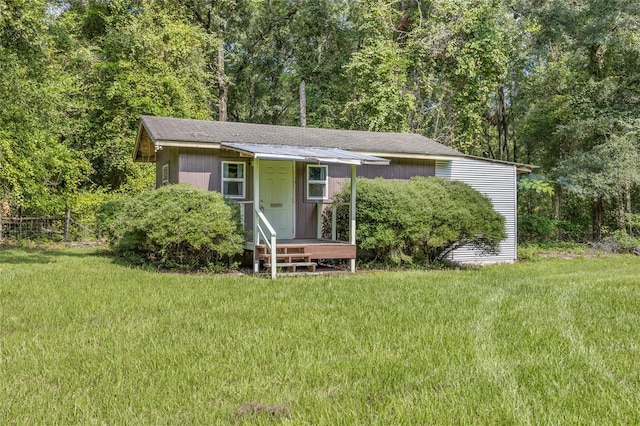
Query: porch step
{"x": 285, "y": 253}
{"x": 311, "y": 266}
{"x": 289, "y": 257}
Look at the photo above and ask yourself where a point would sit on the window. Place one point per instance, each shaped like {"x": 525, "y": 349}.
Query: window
{"x": 165, "y": 174}
{"x": 233, "y": 179}
{"x": 317, "y": 182}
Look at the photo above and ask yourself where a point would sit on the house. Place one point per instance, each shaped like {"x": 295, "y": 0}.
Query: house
{"x": 292, "y": 173}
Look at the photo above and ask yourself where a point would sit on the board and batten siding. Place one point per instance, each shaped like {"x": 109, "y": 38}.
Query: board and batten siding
{"x": 167, "y": 156}
{"x": 499, "y": 183}
{"x": 203, "y": 168}
{"x": 338, "y": 174}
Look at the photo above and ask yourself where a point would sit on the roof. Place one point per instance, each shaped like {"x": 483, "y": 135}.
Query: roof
{"x": 166, "y": 131}
{"x": 521, "y": 168}
{"x": 156, "y": 132}
{"x": 306, "y": 154}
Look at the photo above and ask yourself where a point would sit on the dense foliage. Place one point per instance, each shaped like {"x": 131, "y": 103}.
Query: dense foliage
{"x": 550, "y": 82}
{"x": 177, "y": 226}
{"x": 420, "y": 220}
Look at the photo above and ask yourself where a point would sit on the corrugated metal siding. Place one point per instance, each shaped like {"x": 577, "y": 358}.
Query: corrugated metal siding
{"x": 498, "y": 182}
{"x": 443, "y": 169}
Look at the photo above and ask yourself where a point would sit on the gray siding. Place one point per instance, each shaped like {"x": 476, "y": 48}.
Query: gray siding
{"x": 498, "y": 182}
{"x": 399, "y": 168}
{"x": 306, "y": 210}
{"x": 203, "y": 169}
{"x": 168, "y": 155}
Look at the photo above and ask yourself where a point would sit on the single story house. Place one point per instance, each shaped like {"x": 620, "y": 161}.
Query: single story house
{"x": 284, "y": 178}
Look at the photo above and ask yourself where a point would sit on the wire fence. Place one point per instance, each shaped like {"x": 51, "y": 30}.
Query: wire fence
{"x": 44, "y": 228}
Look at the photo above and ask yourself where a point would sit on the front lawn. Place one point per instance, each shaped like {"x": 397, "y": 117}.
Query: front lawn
{"x": 84, "y": 340}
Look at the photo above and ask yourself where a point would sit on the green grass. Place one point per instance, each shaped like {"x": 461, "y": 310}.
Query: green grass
{"x": 84, "y": 340}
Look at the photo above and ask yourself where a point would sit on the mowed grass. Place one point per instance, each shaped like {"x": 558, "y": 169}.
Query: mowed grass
{"x": 84, "y": 340}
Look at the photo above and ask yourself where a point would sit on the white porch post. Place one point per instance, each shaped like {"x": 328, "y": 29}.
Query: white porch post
{"x": 256, "y": 206}
{"x": 352, "y": 214}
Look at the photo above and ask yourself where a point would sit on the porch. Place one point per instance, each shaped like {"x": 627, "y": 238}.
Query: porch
{"x": 271, "y": 214}
{"x": 295, "y": 253}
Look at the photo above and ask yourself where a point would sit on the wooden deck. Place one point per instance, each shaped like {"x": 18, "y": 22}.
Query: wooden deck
{"x": 291, "y": 254}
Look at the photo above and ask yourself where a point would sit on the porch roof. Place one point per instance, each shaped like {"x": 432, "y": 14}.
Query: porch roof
{"x": 306, "y": 154}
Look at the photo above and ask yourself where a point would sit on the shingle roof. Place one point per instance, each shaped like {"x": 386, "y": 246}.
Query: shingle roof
{"x": 200, "y": 131}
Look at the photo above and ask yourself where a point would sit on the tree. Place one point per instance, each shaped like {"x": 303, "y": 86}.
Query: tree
{"x": 130, "y": 58}
{"x": 379, "y": 98}
{"x": 579, "y": 96}
{"x": 38, "y": 169}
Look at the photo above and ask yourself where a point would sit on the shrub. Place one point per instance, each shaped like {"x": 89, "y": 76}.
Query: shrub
{"x": 177, "y": 226}
{"x": 106, "y": 217}
{"x": 420, "y": 220}
{"x": 536, "y": 227}
{"x": 619, "y": 242}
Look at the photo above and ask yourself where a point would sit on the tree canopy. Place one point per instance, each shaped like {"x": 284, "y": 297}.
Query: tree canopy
{"x": 550, "y": 82}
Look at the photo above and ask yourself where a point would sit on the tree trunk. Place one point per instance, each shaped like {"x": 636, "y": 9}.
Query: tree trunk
{"x": 597, "y": 211}
{"x": 621, "y": 210}
{"x": 223, "y": 86}
{"x": 303, "y": 105}
{"x": 67, "y": 224}
{"x": 627, "y": 210}
{"x": 503, "y": 127}
{"x": 514, "y": 145}
{"x": 558, "y": 211}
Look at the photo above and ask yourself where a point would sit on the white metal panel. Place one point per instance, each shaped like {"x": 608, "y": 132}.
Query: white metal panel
{"x": 498, "y": 182}
{"x": 306, "y": 153}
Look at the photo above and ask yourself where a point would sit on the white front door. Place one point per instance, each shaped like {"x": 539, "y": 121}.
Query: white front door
{"x": 276, "y": 196}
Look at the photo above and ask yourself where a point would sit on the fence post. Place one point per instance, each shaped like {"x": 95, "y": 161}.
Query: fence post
{"x": 67, "y": 224}
{"x": 1, "y": 227}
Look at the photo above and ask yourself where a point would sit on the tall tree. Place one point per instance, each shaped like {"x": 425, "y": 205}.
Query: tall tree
{"x": 38, "y": 168}
{"x": 581, "y": 92}
{"x": 130, "y": 57}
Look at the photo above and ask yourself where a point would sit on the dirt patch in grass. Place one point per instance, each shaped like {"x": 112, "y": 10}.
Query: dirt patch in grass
{"x": 253, "y": 409}
{"x": 568, "y": 255}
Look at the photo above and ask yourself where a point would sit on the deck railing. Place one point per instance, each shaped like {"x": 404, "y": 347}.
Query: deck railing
{"x": 266, "y": 231}
{"x": 334, "y": 219}
{"x": 243, "y": 215}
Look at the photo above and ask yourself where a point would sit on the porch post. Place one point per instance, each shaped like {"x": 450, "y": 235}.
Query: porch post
{"x": 352, "y": 215}
{"x": 256, "y": 206}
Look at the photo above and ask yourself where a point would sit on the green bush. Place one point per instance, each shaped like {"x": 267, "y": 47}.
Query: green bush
{"x": 619, "y": 242}
{"x": 420, "y": 220}
{"x": 536, "y": 227}
{"x": 107, "y": 215}
{"x": 177, "y": 226}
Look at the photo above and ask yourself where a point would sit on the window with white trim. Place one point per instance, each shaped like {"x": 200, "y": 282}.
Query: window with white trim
{"x": 233, "y": 179}
{"x": 317, "y": 182}
{"x": 165, "y": 174}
